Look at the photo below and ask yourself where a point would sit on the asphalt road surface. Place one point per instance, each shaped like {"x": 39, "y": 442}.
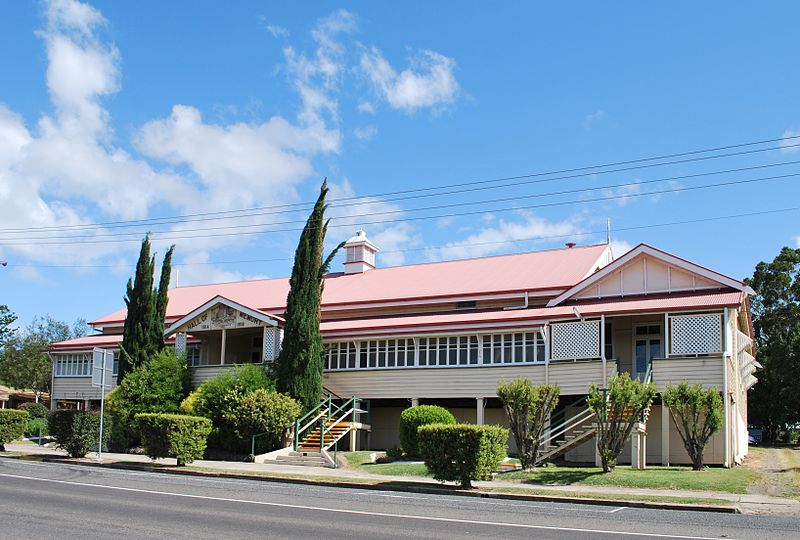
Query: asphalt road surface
{"x": 48, "y": 500}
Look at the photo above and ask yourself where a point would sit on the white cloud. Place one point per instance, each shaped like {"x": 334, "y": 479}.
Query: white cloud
{"x": 195, "y": 271}
{"x": 620, "y": 247}
{"x": 366, "y": 107}
{"x": 365, "y": 133}
{"x": 69, "y": 171}
{"x": 501, "y": 237}
{"x": 429, "y": 82}
{"x": 791, "y": 141}
{"x": 623, "y": 194}
{"x": 317, "y": 77}
{"x": 590, "y": 120}
{"x": 349, "y": 216}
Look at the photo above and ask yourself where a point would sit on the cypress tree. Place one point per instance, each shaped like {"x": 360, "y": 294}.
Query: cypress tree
{"x": 299, "y": 365}
{"x": 137, "y": 341}
{"x": 161, "y": 299}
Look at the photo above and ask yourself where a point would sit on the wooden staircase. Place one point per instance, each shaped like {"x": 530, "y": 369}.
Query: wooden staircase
{"x": 567, "y": 435}
{"x": 333, "y": 432}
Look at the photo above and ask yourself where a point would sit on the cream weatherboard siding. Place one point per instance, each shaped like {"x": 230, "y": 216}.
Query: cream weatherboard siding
{"x": 78, "y": 388}
{"x": 201, "y": 374}
{"x": 458, "y": 382}
{"x": 707, "y": 371}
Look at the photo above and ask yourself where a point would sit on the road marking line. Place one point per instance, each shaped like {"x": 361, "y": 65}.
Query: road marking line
{"x": 362, "y": 492}
{"x": 359, "y": 512}
{"x": 618, "y": 509}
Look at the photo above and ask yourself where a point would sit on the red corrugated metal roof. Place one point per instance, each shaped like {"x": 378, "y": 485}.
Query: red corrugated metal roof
{"x": 97, "y": 340}
{"x": 511, "y": 318}
{"x": 539, "y": 270}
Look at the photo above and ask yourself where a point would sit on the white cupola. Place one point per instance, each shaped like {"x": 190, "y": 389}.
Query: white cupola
{"x": 359, "y": 254}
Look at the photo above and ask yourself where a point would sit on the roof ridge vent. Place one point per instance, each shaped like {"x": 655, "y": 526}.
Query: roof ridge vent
{"x": 359, "y": 254}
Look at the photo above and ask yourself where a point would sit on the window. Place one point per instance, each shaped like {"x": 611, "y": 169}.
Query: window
{"x": 608, "y": 343}
{"x": 192, "y": 356}
{"x": 73, "y": 365}
{"x": 444, "y": 351}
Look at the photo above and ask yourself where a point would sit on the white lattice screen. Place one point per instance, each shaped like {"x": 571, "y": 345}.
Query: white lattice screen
{"x": 575, "y": 340}
{"x": 695, "y": 334}
{"x": 269, "y": 344}
{"x": 180, "y": 343}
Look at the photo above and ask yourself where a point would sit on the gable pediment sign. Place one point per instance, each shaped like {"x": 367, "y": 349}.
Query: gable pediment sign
{"x": 219, "y": 317}
{"x": 646, "y": 270}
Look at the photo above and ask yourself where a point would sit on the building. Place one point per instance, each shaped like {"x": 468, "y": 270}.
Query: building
{"x": 447, "y": 332}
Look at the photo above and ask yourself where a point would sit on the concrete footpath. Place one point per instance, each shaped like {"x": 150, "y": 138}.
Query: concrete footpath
{"x": 746, "y": 503}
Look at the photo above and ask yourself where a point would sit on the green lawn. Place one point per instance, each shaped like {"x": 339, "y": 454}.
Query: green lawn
{"x": 361, "y": 461}
{"x": 733, "y": 480}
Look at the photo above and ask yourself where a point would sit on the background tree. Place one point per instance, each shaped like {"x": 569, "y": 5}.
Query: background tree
{"x": 774, "y": 402}
{"x": 162, "y": 298}
{"x": 528, "y": 407}
{"x": 299, "y": 365}
{"x": 143, "y": 334}
{"x": 24, "y": 362}
{"x": 7, "y": 318}
{"x": 617, "y": 409}
{"x": 137, "y": 336}
{"x": 698, "y": 415}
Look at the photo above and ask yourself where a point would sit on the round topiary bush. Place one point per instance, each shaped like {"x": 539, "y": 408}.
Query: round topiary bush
{"x": 34, "y": 410}
{"x": 411, "y": 419}
{"x": 12, "y": 425}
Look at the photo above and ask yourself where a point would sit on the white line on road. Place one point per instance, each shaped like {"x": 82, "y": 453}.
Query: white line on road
{"x": 362, "y": 492}
{"x": 359, "y": 512}
{"x": 614, "y": 511}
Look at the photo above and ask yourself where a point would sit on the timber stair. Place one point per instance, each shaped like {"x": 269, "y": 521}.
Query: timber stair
{"x": 332, "y": 434}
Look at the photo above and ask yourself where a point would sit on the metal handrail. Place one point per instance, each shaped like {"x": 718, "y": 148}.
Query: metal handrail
{"x": 569, "y": 424}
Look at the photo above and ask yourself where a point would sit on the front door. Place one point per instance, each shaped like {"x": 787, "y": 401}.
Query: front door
{"x": 647, "y": 345}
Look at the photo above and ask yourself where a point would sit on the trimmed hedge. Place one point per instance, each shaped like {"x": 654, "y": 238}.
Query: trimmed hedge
{"x": 414, "y": 417}
{"x": 35, "y": 410}
{"x": 174, "y": 435}
{"x": 12, "y": 426}
{"x": 462, "y": 452}
{"x": 77, "y": 432}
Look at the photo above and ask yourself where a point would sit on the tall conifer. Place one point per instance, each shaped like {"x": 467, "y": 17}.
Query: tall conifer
{"x": 137, "y": 342}
{"x": 299, "y": 365}
{"x": 161, "y": 299}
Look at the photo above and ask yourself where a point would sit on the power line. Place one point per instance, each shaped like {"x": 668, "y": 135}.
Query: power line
{"x": 423, "y": 209}
{"x": 454, "y": 245}
{"x": 464, "y": 187}
{"x": 419, "y": 218}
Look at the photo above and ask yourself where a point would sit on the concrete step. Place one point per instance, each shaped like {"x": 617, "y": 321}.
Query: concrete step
{"x": 296, "y": 459}
{"x": 306, "y": 453}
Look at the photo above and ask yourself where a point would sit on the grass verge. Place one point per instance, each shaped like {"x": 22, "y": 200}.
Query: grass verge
{"x": 362, "y": 461}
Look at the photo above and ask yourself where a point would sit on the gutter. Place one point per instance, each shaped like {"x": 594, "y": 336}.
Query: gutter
{"x": 523, "y": 306}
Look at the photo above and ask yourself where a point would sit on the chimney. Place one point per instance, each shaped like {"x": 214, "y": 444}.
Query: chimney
{"x": 359, "y": 254}
{"x": 571, "y": 245}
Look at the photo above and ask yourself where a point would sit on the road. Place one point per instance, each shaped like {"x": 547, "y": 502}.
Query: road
{"x": 49, "y": 500}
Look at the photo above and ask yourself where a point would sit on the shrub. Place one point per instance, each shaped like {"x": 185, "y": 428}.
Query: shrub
{"x": 697, "y": 413}
{"x": 77, "y": 432}
{"x": 36, "y": 427}
{"x": 263, "y": 411}
{"x": 414, "y": 417}
{"x": 218, "y": 397}
{"x": 34, "y": 410}
{"x": 189, "y": 404}
{"x": 617, "y": 409}
{"x": 174, "y": 435}
{"x": 462, "y": 452}
{"x": 157, "y": 386}
{"x": 528, "y": 407}
{"x": 12, "y": 425}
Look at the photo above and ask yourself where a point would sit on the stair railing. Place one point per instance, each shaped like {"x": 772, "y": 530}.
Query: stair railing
{"x": 568, "y": 425}
{"x": 315, "y": 415}
{"x": 340, "y": 414}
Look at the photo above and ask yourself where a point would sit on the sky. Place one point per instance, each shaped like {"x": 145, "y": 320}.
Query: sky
{"x": 213, "y": 124}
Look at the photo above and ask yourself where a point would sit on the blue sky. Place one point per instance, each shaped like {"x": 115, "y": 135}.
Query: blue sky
{"x": 116, "y": 111}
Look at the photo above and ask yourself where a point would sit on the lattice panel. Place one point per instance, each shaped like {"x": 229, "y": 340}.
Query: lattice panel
{"x": 180, "y": 343}
{"x": 269, "y": 345}
{"x": 696, "y": 334}
{"x": 575, "y": 340}
{"x": 743, "y": 341}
